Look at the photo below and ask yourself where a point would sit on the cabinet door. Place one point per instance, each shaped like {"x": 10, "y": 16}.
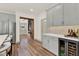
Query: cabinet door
{"x": 53, "y": 45}
{"x": 3, "y": 17}
{"x": 0, "y": 27}
{"x": 50, "y": 17}
{"x": 3, "y": 24}
{"x": 70, "y": 14}
{"x": 45, "y": 42}
{"x": 5, "y": 27}
{"x": 11, "y": 20}
{"x": 55, "y": 16}
{"x": 12, "y": 17}
{"x": 58, "y": 15}
{"x": 77, "y": 14}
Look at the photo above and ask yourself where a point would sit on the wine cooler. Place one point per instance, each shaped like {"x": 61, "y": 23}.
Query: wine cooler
{"x": 61, "y": 47}
{"x": 68, "y": 47}
{"x": 72, "y": 48}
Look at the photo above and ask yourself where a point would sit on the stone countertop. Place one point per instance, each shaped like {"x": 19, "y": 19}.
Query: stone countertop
{"x": 61, "y": 36}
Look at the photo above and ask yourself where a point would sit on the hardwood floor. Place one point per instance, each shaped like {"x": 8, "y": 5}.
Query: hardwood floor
{"x": 29, "y": 47}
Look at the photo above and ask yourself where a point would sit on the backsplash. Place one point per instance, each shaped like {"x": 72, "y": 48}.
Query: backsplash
{"x": 62, "y": 29}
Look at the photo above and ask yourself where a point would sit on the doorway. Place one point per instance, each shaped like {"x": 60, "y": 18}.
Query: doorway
{"x": 27, "y": 27}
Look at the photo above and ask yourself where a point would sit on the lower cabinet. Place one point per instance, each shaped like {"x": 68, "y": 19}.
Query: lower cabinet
{"x": 68, "y": 47}
{"x": 61, "y": 46}
{"x": 51, "y": 44}
{"x": 45, "y": 42}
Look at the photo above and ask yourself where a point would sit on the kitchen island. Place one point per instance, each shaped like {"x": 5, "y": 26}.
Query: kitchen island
{"x": 55, "y": 43}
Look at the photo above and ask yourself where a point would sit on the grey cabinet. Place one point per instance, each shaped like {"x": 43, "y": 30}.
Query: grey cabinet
{"x": 58, "y": 16}
{"x": 63, "y": 14}
{"x": 55, "y": 16}
{"x": 0, "y": 27}
{"x": 77, "y": 14}
{"x": 50, "y": 43}
{"x": 45, "y": 42}
{"x": 50, "y": 17}
{"x": 12, "y": 17}
{"x": 3, "y": 17}
{"x": 11, "y": 21}
{"x": 3, "y": 27}
{"x": 6, "y": 23}
{"x": 53, "y": 45}
{"x": 70, "y": 14}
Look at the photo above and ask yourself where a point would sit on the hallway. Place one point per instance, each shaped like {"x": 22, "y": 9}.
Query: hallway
{"x": 29, "y": 47}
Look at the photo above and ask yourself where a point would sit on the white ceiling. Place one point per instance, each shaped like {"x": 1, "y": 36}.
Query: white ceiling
{"x": 25, "y": 7}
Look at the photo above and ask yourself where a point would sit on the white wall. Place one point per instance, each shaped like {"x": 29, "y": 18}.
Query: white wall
{"x": 37, "y": 24}
{"x": 18, "y": 14}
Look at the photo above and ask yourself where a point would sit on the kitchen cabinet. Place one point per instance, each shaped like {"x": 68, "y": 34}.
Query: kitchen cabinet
{"x": 3, "y": 23}
{"x": 7, "y": 17}
{"x": 6, "y": 22}
{"x": 58, "y": 16}
{"x": 66, "y": 14}
{"x": 50, "y": 17}
{"x": 55, "y": 16}
{"x": 12, "y": 17}
{"x": 11, "y": 21}
{"x": 3, "y": 27}
{"x": 51, "y": 44}
{"x": 70, "y": 14}
{"x": 3, "y": 17}
{"x": 45, "y": 42}
{"x": 77, "y": 12}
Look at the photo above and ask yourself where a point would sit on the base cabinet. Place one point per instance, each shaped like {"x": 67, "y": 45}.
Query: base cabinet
{"x": 45, "y": 42}
{"x": 51, "y": 44}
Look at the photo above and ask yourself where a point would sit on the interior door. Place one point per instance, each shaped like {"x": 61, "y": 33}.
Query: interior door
{"x": 32, "y": 29}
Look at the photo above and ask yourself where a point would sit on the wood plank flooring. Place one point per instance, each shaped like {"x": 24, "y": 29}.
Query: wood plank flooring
{"x": 29, "y": 47}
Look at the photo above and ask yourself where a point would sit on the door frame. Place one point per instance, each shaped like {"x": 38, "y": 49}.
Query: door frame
{"x": 26, "y": 18}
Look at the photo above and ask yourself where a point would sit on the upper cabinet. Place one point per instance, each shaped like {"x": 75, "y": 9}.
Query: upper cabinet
{"x": 55, "y": 15}
{"x": 6, "y": 22}
{"x": 12, "y": 17}
{"x": 63, "y": 14}
{"x": 58, "y": 15}
{"x": 7, "y": 17}
{"x": 3, "y": 17}
{"x": 70, "y": 14}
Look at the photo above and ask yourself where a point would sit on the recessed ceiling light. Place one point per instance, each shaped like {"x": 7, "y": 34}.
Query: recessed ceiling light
{"x": 31, "y": 10}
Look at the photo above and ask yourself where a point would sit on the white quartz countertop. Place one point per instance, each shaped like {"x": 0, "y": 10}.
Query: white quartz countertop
{"x": 61, "y": 36}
